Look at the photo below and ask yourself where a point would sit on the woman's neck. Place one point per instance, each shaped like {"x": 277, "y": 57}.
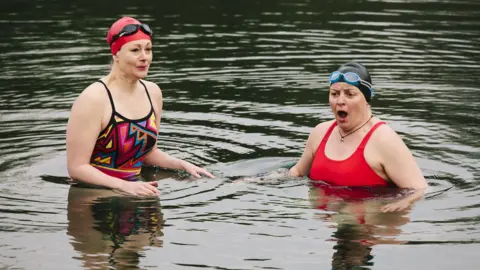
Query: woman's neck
{"x": 361, "y": 123}
{"x": 121, "y": 81}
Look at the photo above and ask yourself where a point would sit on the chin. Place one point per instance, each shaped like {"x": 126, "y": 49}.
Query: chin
{"x": 341, "y": 122}
{"x": 140, "y": 75}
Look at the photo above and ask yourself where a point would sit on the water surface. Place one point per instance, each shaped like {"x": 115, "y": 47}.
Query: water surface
{"x": 243, "y": 82}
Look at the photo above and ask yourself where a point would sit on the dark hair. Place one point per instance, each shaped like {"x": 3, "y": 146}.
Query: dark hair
{"x": 362, "y": 71}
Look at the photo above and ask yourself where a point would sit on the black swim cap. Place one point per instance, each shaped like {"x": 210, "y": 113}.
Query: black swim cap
{"x": 362, "y": 71}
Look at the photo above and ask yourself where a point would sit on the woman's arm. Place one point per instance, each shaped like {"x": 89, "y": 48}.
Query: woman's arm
{"x": 83, "y": 127}
{"x": 398, "y": 162}
{"x": 405, "y": 202}
{"x": 303, "y": 165}
{"x": 400, "y": 166}
{"x": 158, "y": 158}
{"x": 162, "y": 159}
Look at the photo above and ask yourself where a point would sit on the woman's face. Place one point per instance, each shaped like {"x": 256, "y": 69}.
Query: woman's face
{"x": 348, "y": 104}
{"x": 134, "y": 58}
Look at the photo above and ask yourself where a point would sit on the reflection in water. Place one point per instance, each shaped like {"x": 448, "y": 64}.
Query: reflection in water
{"x": 359, "y": 223}
{"x": 110, "y": 230}
{"x": 351, "y": 250}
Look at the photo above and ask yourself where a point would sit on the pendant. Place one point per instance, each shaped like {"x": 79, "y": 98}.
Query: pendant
{"x": 341, "y": 139}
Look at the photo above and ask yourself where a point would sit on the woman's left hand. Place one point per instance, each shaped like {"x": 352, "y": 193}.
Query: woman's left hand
{"x": 195, "y": 170}
{"x": 396, "y": 206}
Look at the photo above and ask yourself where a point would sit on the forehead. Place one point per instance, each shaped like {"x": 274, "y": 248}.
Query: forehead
{"x": 138, "y": 42}
{"x": 339, "y": 86}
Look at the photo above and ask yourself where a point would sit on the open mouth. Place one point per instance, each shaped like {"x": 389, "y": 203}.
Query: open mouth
{"x": 342, "y": 114}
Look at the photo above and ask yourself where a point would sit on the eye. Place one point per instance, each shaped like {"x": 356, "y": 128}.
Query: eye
{"x": 334, "y": 94}
{"x": 148, "y": 49}
{"x": 134, "y": 50}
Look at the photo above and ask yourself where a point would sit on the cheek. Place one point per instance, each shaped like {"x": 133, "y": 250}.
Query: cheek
{"x": 131, "y": 63}
{"x": 149, "y": 57}
{"x": 132, "y": 59}
{"x": 331, "y": 100}
{"x": 124, "y": 59}
{"x": 357, "y": 103}
{"x": 125, "y": 63}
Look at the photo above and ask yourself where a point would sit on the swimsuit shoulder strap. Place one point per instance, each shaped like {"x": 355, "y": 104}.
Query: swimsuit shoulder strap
{"x": 109, "y": 96}
{"x": 148, "y": 95}
{"x": 369, "y": 134}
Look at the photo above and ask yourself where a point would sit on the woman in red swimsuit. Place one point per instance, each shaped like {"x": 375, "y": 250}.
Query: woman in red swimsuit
{"x": 356, "y": 148}
{"x": 113, "y": 125}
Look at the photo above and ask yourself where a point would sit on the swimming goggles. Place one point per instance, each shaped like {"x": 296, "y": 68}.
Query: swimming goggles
{"x": 131, "y": 29}
{"x": 350, "y": 78}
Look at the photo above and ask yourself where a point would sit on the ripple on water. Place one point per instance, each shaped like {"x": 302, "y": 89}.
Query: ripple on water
{"x": 243, "y": 88}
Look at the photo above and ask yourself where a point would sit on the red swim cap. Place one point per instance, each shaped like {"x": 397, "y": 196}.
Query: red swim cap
{"x": 117, "y": 27}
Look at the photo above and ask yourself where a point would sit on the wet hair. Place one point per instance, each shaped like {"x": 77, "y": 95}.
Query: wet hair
{"x": 362, "y": 71}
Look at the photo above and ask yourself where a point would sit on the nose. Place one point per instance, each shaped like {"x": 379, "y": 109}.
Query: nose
{"x": 341, "y": 99}
{"x": 143, "y": 56}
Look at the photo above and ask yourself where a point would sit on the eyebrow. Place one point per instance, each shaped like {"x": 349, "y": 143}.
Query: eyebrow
{"x": 140, "y": 45}
{"x": 344, "y": 89}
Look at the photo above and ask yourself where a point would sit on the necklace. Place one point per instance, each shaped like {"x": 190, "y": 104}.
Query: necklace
{"x": 343, "y": 136}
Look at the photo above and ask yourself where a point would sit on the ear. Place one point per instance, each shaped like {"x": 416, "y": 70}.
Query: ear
{"x": 115, "y": 58}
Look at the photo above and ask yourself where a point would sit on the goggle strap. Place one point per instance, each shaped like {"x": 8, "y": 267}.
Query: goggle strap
{"x": 139, "y": 27}
{"x": 336, "y": 75}
{"x": 369, "y": 85}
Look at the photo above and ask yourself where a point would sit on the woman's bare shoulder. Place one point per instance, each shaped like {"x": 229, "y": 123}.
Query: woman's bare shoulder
{"x": 94, "y": 92}
{"x": 317, "y": 134}
{"x": 322, "y": 128}
{"x": 153, "y": 89}
{"x": 385, "y": 137}
{"x": 93, "y": 96}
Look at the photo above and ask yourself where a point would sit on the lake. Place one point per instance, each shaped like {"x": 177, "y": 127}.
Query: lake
{"x": 243, "y": 82}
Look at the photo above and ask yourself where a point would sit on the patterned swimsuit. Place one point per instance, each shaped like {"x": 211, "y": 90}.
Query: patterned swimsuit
{"x": 122, "y": 145}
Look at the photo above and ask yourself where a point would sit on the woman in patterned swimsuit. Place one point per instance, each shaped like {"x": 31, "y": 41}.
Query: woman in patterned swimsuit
{"x": 113, "y": 126}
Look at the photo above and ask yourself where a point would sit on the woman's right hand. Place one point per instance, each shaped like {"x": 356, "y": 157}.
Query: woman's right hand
{"x": 140, "y": 188}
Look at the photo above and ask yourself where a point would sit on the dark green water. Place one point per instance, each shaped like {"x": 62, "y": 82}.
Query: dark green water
{"x": 243, "y": 82}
